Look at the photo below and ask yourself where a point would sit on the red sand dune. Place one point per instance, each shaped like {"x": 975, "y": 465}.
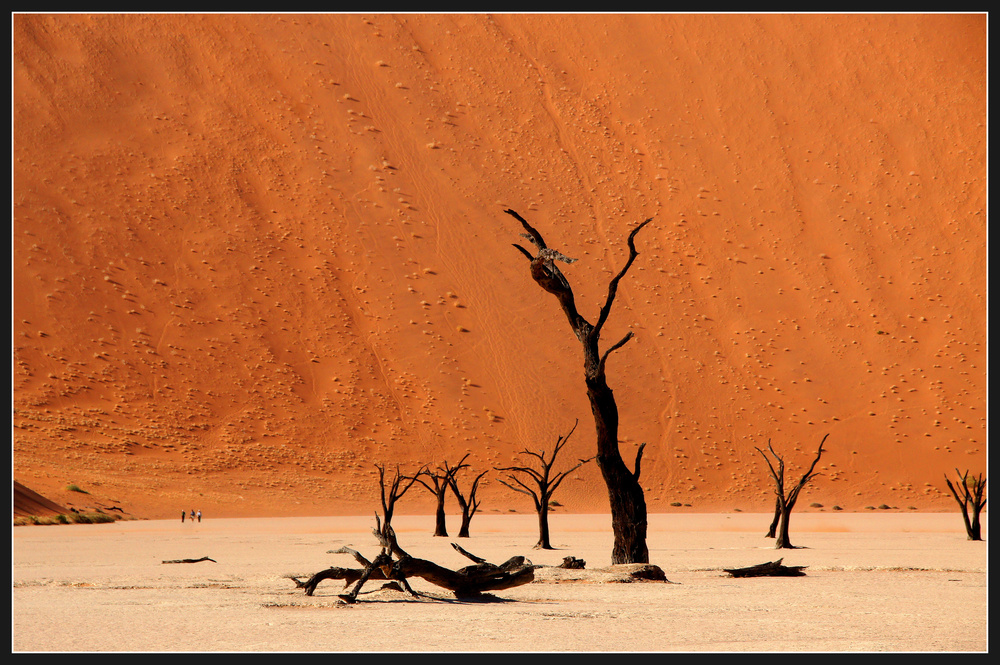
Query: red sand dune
{"x": 254, "y": 255}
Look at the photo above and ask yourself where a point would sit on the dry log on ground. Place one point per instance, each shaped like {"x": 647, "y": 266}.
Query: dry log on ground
{"x": 771, "y": 569}
{"x": 469, "y": 581}
{"x": 618, "y": 573}
{"x": 573, "y": 562}
{"x": 204, "y": 558}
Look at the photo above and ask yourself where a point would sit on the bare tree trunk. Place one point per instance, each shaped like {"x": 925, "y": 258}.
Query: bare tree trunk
{"x": 628, "y": 504}
{"x": 782, "y": 541}
{"x": 463, "y": 531}
{"x": 440, "y": 529}
{"x": 975, "y": 530}
{"x": 543, "y": 529}
{"x": 774, "y": 521}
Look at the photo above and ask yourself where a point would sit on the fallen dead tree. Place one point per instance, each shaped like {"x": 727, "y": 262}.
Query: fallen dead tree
{"x": 770, "y": 569}
{"x": 204, "y": 558}
{"x": 395, "y": 564}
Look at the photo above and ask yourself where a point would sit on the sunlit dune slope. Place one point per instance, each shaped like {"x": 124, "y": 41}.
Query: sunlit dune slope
{"x": 253, "y": 255}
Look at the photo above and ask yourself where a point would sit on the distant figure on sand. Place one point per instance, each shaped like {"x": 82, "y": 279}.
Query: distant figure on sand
{"x": 199, "y": 515}
{"x": 182, "y": 517}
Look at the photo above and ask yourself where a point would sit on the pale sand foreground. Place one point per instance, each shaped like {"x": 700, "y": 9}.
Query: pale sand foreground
{"x": 875, "y": 582}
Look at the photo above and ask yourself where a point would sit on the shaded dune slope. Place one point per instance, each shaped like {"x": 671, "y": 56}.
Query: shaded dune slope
{"x": 26, "y": 502}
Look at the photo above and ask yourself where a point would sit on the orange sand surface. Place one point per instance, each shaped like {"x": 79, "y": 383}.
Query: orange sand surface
{"x": 254, "y": 255}
{"x": 874, "y": 582}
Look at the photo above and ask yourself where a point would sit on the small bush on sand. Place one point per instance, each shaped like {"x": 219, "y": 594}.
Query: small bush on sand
{"x": 72, "y": 518}
{"x": 91, "y": 518}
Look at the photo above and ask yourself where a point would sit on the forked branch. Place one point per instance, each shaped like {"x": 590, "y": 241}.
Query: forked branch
{"x": 613, "y": 285}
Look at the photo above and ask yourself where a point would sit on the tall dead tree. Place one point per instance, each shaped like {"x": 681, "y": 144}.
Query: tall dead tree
{"x": 468, "y": 503}
{"x": 627, "y": 502}
{"x": 786, "y": 501}
{"x": 545, "y": 484}
{"x": 440, "y": 479}
{"x": 971, "y": 497}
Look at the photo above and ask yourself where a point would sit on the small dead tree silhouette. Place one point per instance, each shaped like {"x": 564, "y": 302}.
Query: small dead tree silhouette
{"x": 971, "y": 497}
{"x": 786, "y": 501}
{"x": 625, "y": 495}
{"x": 545, "y": 482}
{"x": 441, "y": 479}
{"x": 468, "y": 503}
{"x": 397, "y": 488}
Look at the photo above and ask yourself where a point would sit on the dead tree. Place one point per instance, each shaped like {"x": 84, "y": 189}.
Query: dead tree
{"x": 627, "y": 501}
{"x": 786, "y": 501}
{"x": 393, "y": 563}
{"x": 545, "y": 484}
{"x": 441, "y": 480}
{"x": 971, "y": 497}
{"x": 397, "y": 488}
{"x": 469, "y": 504}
